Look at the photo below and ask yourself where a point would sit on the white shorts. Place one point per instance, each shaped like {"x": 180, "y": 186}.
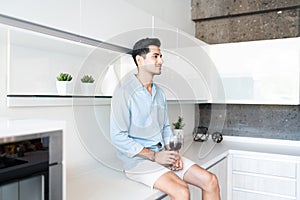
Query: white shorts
{"x": 147, "y": 172}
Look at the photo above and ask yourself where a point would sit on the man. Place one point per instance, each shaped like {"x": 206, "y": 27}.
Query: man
{"x": 141, "y": 132}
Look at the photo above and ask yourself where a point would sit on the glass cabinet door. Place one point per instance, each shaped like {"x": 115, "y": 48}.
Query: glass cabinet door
{"x": 9, "y": 191}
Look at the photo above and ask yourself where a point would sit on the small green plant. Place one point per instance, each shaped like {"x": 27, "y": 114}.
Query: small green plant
{"x": 179, "y": 124}
{"x": 87, "y": 79}
{"x": 64, "y": 77}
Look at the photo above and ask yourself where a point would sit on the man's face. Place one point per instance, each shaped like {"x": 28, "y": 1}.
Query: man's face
{"x": 152, "y": 62}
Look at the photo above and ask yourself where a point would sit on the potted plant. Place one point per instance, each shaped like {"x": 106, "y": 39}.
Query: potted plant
{"x": 87, "y": 85}
{"x": 64, "y": 84}
{"x": 178, "y": 125}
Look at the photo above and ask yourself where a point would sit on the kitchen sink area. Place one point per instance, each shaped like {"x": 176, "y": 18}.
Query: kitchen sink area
{"x": 10, "y": 162}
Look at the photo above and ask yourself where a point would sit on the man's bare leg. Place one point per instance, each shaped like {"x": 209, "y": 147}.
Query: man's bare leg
{"x": 173, "y": 186}
{"x": 205, "y": 180}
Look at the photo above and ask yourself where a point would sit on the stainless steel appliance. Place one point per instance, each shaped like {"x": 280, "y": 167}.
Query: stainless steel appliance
{"x": 35, "y": 157}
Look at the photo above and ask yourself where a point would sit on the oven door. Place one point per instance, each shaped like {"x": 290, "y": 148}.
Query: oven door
{"x": 29, "y": 187}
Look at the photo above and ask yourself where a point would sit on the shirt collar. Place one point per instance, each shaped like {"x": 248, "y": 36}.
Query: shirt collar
{"x": 139, "y": 85}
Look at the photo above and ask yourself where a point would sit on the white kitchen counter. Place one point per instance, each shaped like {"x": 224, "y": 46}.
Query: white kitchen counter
{"x": 11, "y": 128}
{"x": 105, "y": 183}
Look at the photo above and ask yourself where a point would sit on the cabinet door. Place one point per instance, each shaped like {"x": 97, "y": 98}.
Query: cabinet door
{"x": 181, "y": 80}
{"x": 262, "y": 177}
{"x": 99, "y": 22}
{"x": 259, "y": 72}
{"x": 32, "y": 188}
{"x": 63, "y": 15}
{"x": 244, "y": 195}
{"x": 220, "y": 170}
{"x": 9, "y": 191}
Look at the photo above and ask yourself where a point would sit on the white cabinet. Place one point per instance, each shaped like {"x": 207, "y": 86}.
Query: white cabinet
{"x": 181, "y": 80}
{"x": 111, "y": 22}
{"x": 220, "y": 170}
{"x": 259, "y": 72}
{"x": 262, "y": 177}
{"x": 63, "y": 15}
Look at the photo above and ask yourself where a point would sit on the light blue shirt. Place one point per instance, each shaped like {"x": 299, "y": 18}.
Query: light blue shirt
{"x": 138, "y": 119}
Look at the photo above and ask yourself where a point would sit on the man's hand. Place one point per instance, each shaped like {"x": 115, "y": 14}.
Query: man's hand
{"x": 166, "y": 157}
{"x": 178, "y": 165}
{"x": 170, "y": 159}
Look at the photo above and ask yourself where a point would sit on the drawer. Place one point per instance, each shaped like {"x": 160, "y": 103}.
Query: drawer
{"x": 241, "y": 195}
{"x": 264, "y": 166}
{"x": 267, "y": 184}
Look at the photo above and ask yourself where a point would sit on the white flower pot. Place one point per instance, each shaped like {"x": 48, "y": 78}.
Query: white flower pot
{"x": 64, "y": 87}
{"x": 87, "y": 88}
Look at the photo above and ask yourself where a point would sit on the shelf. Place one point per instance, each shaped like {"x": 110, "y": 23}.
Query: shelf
{"x": 20, "y": 100}
{"x": 16, "y": 100}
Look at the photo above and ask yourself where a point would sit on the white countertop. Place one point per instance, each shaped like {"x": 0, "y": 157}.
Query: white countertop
{"x": 11, "y": 128}
{"x": 105, "y": 183}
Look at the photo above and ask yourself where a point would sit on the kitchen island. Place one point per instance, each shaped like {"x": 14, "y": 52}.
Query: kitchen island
{"x": 105, "y": 183}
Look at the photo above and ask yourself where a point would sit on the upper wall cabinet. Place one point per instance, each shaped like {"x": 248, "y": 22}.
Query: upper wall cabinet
{"x": 110, "y": 20}
{"x": 185, "y": 75}
{"x": 259, "y": 72}
{"x": 62, "y": 15}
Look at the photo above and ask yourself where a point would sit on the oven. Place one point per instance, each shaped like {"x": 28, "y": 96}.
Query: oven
{"x": 31, "y": 167}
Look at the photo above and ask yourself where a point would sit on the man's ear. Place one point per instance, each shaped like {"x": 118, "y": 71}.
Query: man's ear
{"x": 139, "y": 60}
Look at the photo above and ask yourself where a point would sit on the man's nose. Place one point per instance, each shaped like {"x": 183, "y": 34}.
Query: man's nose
{"x": 160, "y": 60}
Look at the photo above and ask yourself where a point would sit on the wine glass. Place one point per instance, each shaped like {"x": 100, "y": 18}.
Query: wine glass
{"x": 175, "y": 144}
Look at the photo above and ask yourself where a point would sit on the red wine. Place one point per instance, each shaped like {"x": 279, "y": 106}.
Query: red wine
{"x": 175, "y": 146}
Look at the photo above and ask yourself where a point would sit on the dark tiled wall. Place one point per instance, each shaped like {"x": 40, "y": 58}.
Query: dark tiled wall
{"x": 266, "y": 121}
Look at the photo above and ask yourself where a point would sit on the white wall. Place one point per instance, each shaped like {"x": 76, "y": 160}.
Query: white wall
{"x": 114, "y": 19}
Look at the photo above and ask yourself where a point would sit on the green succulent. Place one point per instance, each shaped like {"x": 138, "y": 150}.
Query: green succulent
{"x": 87, "y": 79}
{"x": 179, "y": 124}
{"x": 64, "y": 77}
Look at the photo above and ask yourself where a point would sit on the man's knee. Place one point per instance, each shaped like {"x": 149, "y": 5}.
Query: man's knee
{"x": 181, "y": 192}
{"x": 213, "y": 183}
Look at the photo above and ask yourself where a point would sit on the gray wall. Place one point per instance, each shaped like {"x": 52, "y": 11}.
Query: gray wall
{"x": 235, "y": 21}
{"x": 265, "y": 121}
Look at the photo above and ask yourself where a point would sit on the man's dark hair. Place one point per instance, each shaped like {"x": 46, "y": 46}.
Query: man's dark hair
{"x": 141, "y": 47}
